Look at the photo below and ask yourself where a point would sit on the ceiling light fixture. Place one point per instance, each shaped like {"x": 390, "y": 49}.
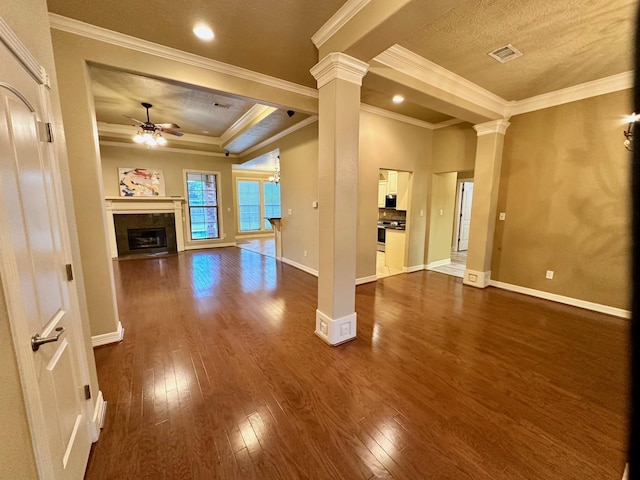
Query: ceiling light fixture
{"x": 151, "y": 138}
{"x": 628, "y": 133}
{"x": 398, "y": 99}
{"x": 275, "y": 178}
{"x": 203, "y": 32}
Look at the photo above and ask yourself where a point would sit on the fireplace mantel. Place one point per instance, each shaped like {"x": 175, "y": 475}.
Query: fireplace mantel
{"x": 118, "y": 205}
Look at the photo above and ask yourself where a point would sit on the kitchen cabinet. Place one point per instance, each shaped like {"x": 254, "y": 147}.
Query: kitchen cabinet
{"x": 382, "y": 192}
{"x": 392, "y": 182}
{"x": 394, "y": 248}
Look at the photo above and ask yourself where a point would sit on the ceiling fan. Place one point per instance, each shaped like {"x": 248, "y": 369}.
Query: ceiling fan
{"x": 151, "y": 133}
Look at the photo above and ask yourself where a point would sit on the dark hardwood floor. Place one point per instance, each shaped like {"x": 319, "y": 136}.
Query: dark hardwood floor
{"x": 221, "y": 376}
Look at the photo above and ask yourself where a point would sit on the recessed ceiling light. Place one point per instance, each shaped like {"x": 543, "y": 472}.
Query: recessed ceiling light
{"x": 398, "y": 99}
{"x": 203, "y": 32}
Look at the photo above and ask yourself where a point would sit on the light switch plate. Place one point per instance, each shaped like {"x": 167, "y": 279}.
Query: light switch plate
{"x": 502, "y": 216}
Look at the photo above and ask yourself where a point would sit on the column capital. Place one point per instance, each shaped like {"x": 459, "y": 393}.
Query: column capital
{"x": 494, "y": 126}
{"x": 339, "y": 65}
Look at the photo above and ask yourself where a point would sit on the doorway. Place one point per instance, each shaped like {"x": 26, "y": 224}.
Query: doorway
{"x": 463, "y": 215}
{"x": 393, "y": 206}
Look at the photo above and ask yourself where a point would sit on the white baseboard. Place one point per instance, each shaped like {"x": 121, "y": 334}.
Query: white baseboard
{"x": 201, "y": 246}
{"x": 336, "y": 331}
{"x": 106, "y": 338}
{"x": 369, "y": 279}
{"x": 250, "y": 236}
{"x": 300, "y": 266}
{"x": 414, "y": 268}
{"x": 97, "y": 420}
{"x": 596, "y": 307}
{"x": 438, "y": 263}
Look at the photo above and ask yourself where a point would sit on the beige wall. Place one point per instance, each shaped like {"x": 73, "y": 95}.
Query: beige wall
{"x": 391, "y": 145}
{"x": 443, "y": 199}
{"x": 29, "y": 20}
{"x": 454, "y": 149}
{"x": 298, "y": 190}
{"x": 565, "y": 191}
{"x": 172, "y": 165}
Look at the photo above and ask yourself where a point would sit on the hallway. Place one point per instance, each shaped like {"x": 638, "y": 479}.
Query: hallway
{"x": 221, "y": 376}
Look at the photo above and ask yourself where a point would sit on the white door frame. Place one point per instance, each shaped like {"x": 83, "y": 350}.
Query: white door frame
{"x": 19, "y": 328}
{"x": 456, "y": 232}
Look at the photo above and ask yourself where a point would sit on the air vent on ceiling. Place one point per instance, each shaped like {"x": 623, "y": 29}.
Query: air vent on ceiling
{"x": 506, "y": 53}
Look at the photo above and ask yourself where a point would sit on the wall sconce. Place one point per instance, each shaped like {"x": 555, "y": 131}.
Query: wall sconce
{"x": 628, "y": 133}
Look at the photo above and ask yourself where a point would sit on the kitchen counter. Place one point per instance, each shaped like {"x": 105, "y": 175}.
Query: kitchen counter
{"x": 395, "y": 248}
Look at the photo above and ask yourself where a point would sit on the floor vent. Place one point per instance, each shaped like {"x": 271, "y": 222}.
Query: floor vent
{"x": 506, "y": 53}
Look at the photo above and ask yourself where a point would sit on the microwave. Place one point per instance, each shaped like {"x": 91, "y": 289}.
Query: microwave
{"x": 390, "y": 201}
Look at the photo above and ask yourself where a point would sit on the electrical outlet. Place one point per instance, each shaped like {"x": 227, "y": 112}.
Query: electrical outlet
{"x": 441, "y": 211}
{"x": 549, "y": 275}
{"x": 289, "y": 212}
{"x": 502, "y": 216}
{"x": 422, "y": 213}
{"x": 323, "y": 327}
{"x": 345, "y": 328}
{"x": 305, "y": 253}
{"x": 473, "y": 277}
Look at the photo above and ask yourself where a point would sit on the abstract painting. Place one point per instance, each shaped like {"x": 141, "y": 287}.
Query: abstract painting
{"x": 141, "y": 182}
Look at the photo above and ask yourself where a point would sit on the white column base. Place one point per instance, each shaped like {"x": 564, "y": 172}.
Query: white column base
{"x": 97, "y": 421}
{"x": 477, "y": 279}
{"x": 337, "y": 331}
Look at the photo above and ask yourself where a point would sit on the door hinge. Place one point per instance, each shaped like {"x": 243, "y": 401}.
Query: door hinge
{"x": 87, "y": 392}
{"x": 45, "y": 132}
{"x": 69, "y": 272}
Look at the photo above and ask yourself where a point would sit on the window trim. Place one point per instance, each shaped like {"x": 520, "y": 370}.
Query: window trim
{"x": 261, "y": 181}
{"x": 187, "y": 213}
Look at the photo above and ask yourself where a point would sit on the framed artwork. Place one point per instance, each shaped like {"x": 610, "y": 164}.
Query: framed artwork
{"x": 141, "y": 182}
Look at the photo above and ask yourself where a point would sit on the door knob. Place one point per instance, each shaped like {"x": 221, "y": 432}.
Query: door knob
{"x": 37, "y": 340}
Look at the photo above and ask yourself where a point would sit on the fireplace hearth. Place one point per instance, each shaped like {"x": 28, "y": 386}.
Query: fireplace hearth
{"x": 145, "y": 234}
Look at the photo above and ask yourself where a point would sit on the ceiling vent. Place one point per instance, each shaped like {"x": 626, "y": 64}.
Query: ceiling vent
{"x": 505, "y": 54}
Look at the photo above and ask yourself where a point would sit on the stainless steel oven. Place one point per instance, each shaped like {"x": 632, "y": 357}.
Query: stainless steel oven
{"x": 381, "y": 238}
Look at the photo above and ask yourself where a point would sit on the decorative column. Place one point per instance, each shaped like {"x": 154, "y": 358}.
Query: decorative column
{"x": 339, "y": 78}
{"x": 486, "y": 182}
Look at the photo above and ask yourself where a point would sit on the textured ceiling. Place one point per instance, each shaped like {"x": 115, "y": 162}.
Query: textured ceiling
{"x": 198, "y": 111}
{"x": 269, "y": 37}
{"x": 565, "y": 43}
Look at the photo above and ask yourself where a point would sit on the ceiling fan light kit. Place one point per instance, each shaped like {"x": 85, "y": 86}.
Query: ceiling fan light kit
{"x": 150, "y": 134}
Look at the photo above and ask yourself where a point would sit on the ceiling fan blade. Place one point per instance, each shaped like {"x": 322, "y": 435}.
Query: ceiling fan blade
{"x": 167, "y": 125}
{"x": 171, "y": 132}
{"x": 134, "y": 119}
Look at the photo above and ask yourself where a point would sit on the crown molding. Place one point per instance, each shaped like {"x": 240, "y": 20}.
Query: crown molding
{"x": 337, "y": 21}
{"x": 167, "y": 149}
{"x": 447, "y": 123}
{"x": 254, "y": 115}
{"x": 415, "y": 66}
{"x": 396, "y": 116}
{"x": 76, "y": 27}
{"x": 339, "y": 66}
{"x": 494, "y": 126}
{"x": 284, "y": 133}
{"x": 613, "y": 83}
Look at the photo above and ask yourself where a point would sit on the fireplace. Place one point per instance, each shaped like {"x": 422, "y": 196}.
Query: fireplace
{"x": 143, "y": 238}
{"x": 143, "y": 234}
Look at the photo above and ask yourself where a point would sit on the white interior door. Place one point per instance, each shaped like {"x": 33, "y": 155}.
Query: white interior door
{"x": 33, "y": 276}
{"x": 465, "y": 215}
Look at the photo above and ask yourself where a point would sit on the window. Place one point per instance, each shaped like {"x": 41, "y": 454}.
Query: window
{"x": 202, "y": 200}
{"x": 257, "y": 200}
{"x": 271, "y": 202}
{"x": 248, "y": 205}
